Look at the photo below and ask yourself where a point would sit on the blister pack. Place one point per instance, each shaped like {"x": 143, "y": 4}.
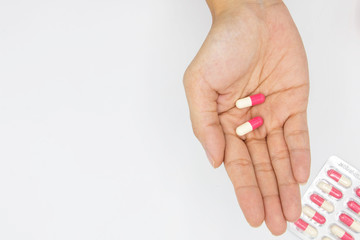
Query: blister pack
{"x": 331, "y": 204}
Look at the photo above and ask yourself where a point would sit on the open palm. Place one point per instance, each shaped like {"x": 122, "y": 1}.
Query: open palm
{"x": 254, "y": 49}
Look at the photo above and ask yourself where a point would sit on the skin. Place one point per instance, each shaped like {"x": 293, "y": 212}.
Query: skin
{"x": 254, "y": 47}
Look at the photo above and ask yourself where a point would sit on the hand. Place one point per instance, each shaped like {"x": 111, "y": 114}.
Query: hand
{"x": 254, "y": 48}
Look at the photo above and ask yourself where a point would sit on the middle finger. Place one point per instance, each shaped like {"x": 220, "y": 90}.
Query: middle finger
{"x": 266, "y": 178}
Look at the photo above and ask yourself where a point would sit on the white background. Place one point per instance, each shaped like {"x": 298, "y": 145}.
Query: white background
{"x": 95, "y": 140}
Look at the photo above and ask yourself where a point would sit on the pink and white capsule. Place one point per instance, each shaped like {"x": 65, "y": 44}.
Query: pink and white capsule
{"x": 249, "y": 126}
{"x": 327, "y": 188}
{"x": 354, "y": 225}
{"x": 357, "y": 191}
{"x": 341, "y": 233}
{"x": 327, "y": 206}
{"x": 354, "y": 206}
{"x": 250, "y": 101}
{"x": 338, "y": 177}
{"x": 314, "y": 215}
{"x": 306, "y": 228}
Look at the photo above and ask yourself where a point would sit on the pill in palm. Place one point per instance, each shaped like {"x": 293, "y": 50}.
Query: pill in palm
{"x": 354, "y": 225}
{"x": 314, "y": 215}
{"x": 341, "y": 179}
{"x": 250, "y": 101}
{"x": 306, "y": 228}
{"x": 341, "y": 233}
{"x": 249, "y": 126}
{"x": 331, "y": 190}
{"x": 327, "y": 206}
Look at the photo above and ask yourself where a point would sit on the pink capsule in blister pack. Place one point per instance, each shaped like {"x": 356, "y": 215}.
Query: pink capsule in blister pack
{"x": 331, "y": 205}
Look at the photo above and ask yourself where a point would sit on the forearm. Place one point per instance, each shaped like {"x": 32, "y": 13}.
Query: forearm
{"x": 218, "y": 7}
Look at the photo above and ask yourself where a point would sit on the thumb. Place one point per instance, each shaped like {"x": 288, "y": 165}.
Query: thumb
{"x": 202, "y": 100}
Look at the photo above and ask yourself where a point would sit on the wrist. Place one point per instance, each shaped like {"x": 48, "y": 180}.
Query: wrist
{"x": 218, "y": 7}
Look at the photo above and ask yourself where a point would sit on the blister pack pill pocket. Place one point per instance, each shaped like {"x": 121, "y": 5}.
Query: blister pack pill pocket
{"x": 331, "y": 204}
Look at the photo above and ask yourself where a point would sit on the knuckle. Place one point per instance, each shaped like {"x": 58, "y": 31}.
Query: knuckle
{"x": 290, "y": 183}
{"x": 196, "y": 131}
{"x": 300, "y": 150}
{"x": 255, "y": 141}
{"x": 238, "y": 163}
{"x": 200, "y": 127}
{"x": 275, "y": 132}
{"x": 297, "y": 133}
{"x": 280, "y": 156}
{"x": 271, "y": 195}
{"x": 239, "y": 188}
{"x": 263, "y": 167}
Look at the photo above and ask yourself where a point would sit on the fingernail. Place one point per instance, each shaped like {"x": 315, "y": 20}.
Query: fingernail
{"x": 211, "y": 161}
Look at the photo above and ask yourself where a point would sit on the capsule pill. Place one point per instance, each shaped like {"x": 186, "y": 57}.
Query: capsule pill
{"x": 354, "y": 225}
{"x": 314, "y": 215}
{"x": 354, "y": 206}
{"x": 249, "y": 126}
{"x": 327, "y": 206}
{"x": 338, "y": 177}
{"x": 250, "y": 101}
{"x": 331, "y": 190}
{"x": 306, "y": 228}
{"x": 357, "y": 191}
{"x": 341, "y": 233}
{"x": 331, "y": 204}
